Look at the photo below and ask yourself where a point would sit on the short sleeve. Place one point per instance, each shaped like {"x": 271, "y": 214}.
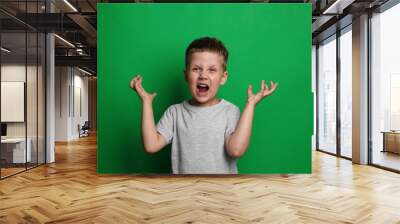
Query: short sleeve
{"x": 233, "y": 115}
{"x": 165, "y": 125}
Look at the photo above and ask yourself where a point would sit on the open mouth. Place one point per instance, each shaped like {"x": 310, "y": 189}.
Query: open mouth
{"x": 202, "y": 87}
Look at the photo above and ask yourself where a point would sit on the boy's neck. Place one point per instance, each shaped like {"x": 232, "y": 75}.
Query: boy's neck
{"x": 206, "y": 104}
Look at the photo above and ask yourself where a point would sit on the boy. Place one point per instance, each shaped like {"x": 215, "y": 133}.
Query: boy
{"x": 207, "y": 133}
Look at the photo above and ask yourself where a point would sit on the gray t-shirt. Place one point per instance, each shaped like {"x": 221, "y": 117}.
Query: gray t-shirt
{"x": 198, "y": 137}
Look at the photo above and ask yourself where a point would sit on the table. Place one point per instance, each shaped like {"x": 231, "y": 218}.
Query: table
{"x": 16, "y": 147}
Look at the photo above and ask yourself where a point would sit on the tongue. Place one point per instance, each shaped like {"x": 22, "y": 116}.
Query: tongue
{"x": 202, "y": 89}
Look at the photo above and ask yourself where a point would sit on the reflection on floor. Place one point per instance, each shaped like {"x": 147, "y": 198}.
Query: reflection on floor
{"x": 11, "y": 169}
{"x": 386, "y": 159}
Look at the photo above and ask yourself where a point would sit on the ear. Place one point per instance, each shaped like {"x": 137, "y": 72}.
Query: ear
{"x": 186, "y": 75}
{"x": 224, "y": 78}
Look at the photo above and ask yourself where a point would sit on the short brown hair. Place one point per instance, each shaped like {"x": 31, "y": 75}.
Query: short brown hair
{"x": 206, "y": 44}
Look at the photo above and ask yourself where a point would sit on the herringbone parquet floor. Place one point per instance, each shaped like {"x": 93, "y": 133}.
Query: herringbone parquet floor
{"x": 70, "y": 191}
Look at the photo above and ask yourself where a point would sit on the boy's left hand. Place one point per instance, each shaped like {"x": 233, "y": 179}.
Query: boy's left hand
{"x": 264, "y": 92}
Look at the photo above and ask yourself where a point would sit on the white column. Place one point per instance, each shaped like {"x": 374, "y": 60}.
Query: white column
{"x": 50, "y": 99}
{"x": 50, "y": 92}
{"x": 360, "y": 90}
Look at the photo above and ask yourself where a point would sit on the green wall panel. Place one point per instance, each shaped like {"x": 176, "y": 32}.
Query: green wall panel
{"x": 265, "y": 41}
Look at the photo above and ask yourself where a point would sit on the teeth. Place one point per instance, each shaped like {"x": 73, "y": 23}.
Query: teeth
{"x": 202, "y": 85}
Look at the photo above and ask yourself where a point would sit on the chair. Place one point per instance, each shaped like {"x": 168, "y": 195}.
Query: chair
{"x": 84, "y": 130}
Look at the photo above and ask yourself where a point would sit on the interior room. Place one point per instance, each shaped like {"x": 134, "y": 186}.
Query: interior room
{"x": 52, "y": 105}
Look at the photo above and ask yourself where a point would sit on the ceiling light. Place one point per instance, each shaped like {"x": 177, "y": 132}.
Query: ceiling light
{"x": 5, "y": 50}
{"x": 331, "y": 7}
{"x": 65, "y": 41}
{"x": 70, "y": 5}
{"x": 84, "y": 71}
{"x": 338, "y": 6}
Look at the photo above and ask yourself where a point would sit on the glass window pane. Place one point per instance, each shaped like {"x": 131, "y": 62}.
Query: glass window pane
{"x": 22, "y": 88}
{"x": 314, "y": 76}
{"x": 32, "y": 92}
{"x": 327, "y": 96}
{"x": 346, "y": 94}
{"x": 14, "y": 149}
{"x": 385, "y": 88}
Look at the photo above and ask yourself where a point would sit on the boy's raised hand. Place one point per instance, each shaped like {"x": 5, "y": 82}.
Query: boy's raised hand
{"x": 264, "y": 92}
{"x": 136, "y": 84}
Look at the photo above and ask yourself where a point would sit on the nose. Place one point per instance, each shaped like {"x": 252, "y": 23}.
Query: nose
{"x": 202, "y": 75}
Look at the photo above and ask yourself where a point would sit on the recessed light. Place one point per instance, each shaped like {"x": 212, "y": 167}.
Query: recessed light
{"x": 64, "y": 40}
{"x": 70, "y": 5}
{"x": 5, "y": 50}
{"x": 84, "y": 71}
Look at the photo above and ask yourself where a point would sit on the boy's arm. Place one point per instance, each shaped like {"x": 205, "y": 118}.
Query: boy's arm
{"x": 239, "y": 140}
{"x": 237, "y": 143}
{"x": 152, "y": 140}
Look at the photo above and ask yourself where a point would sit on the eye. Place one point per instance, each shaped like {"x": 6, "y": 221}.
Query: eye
{"x": 213, "y": 70}
{"x": 195, "y": 69}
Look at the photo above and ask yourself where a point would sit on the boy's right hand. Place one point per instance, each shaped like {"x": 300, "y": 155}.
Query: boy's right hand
{"x": 136, "y": 84}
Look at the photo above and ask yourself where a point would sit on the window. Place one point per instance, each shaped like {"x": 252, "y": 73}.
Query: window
{"x": 327, "y": 95}
{"x": 385, "y": 88}
{"x": 346, "y": 92}
{"x": 22, "y": 78}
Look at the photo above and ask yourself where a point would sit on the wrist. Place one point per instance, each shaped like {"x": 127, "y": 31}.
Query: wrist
{"x": 147, "y": 102}
{"x": 251, "y": 104}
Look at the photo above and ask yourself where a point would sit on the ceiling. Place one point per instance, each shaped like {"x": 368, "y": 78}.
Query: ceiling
{"x": 76, "y": 22}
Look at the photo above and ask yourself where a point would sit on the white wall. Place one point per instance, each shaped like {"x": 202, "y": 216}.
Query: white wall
{"x": 16, "y": 72}
{"x": 71, "y": 87}
{"x": 62, "y": 81}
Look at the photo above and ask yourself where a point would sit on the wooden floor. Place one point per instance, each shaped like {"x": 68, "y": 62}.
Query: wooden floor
{"x": 5, "y": 172}
{"x": 70, "y": 191}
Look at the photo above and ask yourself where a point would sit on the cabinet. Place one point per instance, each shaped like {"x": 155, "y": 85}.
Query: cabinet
{"x": 391, "y": 141}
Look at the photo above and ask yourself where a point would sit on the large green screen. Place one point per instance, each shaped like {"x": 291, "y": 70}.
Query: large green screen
{"x": 265, "y": 41}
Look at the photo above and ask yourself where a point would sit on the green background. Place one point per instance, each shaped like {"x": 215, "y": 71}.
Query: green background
{"x": 265, "y": 41}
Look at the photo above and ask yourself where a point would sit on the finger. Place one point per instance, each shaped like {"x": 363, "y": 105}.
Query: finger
{"x": 274, "y": 86}
{"x": 265, "y": 90}
{"x": 140, "y": 82}
{"x": 262, "y": 86}
{"x": 132, "y": 83}
{"x": 273, "y": 89}
{"x": 250, "y": 91}
{"x": 138, "y": 85}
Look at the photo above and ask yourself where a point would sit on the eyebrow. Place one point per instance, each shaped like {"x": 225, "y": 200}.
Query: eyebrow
{"x": 212, "y": 66}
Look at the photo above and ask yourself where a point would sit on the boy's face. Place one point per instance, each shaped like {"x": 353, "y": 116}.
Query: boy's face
{"x": 204, "y": 76}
